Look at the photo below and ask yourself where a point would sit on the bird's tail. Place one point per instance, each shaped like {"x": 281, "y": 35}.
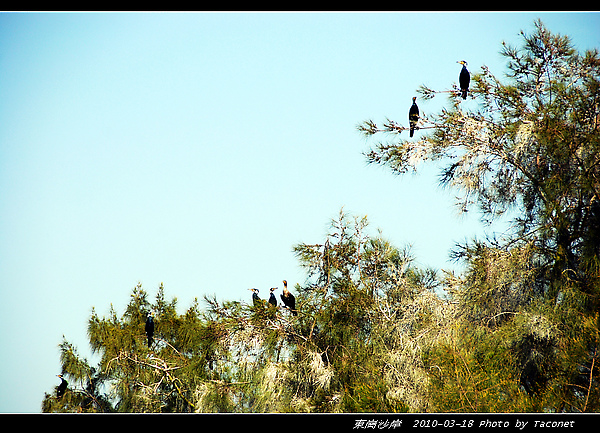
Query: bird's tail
{"x": 464, "y": 94}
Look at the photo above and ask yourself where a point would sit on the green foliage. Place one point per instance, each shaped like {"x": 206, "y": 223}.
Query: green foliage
{"x": 529, "y": 150}
{"x": 341, "y": 353}
{"x": 516, "y": 331}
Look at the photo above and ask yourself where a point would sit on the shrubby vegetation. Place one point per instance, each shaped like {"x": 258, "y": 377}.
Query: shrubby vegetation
{"x": 517, "y": 331}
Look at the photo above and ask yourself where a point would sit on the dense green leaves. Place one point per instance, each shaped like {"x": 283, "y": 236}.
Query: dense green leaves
{"x": 528, "y": 149}
{"x": 354, "y": 345}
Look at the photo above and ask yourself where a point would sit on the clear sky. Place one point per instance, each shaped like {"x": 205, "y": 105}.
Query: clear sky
{"x": 196, "y": 149}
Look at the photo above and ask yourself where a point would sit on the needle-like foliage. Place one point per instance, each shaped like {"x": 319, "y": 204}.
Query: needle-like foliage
{"x": 516, "y": 331}
{"x": 525, "y": 148}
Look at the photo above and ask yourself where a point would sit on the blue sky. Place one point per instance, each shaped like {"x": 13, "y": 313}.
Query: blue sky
{"x": 196, "y": 149}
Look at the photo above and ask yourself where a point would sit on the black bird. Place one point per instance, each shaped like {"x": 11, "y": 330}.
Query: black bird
{"x": 413, "y": 116}
{"x": 272, "y": 298}
{"x": 60, "y": 389}
{"x": 150, "y": 328}
{"x": 255, "y": 299}
{"x": 464, "y": 79}
{"x": 288, "y": 299}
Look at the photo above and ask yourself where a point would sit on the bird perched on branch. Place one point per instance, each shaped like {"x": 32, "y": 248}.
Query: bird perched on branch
{"x": 288, "y": 299}
{"x": 255, "y": 299}
{"x": 413, "y": 116}
{"x": 463, "y": 79}
{"x": 272, "y": 298}
{"x": 150, "y": 328}
{"x": 60, "y": 389}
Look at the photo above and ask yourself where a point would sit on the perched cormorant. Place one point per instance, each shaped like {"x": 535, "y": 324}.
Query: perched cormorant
{"x": 272, "y": 298}
{"x": 150, "y": 328}
{"x": 413, "y": 116}
{"x": 288, "y": 299}
{"x": 60, "y": 390}
{"x": 463, "y": 79}
{"x": 255, "y": 299}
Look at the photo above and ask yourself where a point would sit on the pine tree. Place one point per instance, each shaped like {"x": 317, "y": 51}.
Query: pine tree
{"x": 364, "y": 316}
{"x": 517, "y": 331}
{"x": 528, "y": 150}
{"x": 130, "y": 376}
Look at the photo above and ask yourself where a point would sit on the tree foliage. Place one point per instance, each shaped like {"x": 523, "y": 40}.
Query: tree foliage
{"x": 527, "y": 149}
{"x": 516, "y": 331}
{"x": 362, "y": 300}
